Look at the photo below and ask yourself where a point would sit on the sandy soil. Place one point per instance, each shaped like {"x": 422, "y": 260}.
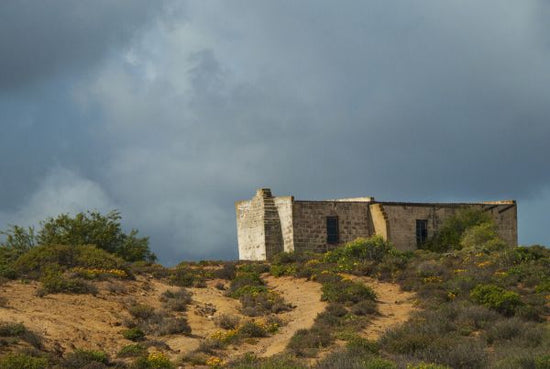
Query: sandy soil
{"x": 83, "y": 321}
{"x": 395, "y": 306}
{"x": 306, "y": 297}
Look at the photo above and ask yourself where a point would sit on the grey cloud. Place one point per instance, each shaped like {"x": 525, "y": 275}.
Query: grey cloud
{"x": 41, "y": 39}
{"x": 424, "y": 101}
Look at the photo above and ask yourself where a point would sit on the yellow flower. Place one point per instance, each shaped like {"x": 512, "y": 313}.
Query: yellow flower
{"x": 432, "y": 279}
{"x": 215, "y": 362}
{"x": 483, "y": 264}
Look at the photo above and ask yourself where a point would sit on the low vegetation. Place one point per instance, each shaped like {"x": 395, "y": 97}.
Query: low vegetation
{"x": 480, "y": 303}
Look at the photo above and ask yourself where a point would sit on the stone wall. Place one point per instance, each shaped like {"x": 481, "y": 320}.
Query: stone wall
{"x": 251, "y": 228}
{"x": 310, "y": 223}
{"x": 401, "y": 218}
{"x": 284, "y": 209}
{"x": 273, "y": 231}
{"x": 380, "y": 223}
{"x": 267, "y": 225}
{"x": 264, "y": 226}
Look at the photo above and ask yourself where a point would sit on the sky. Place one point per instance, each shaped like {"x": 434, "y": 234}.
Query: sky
{"x": 170, "y": 111}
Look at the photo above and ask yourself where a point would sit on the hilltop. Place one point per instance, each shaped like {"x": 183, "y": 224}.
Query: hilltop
{"x": 362, "y": 305}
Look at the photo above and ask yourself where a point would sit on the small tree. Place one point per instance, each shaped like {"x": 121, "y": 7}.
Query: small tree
{"x": 93, "y": 228}
{"x": 85, "y": 228}
{"x": 17, "y": 241}
{"x": 450, "y": 234}
{"x": 482, "y": 237}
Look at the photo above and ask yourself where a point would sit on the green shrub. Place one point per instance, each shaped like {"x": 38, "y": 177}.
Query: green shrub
{"x": 482, "y": 237}
{"x": 250, "y": 361}
{"x": 176, "y": 300}
{"x": 252, "y": 329}
{"x": 64, "y": 257}
{"x": 337, "y": 310}
{"x": 256, "y": 302}
{"x": 253, "y": 267}
{"x": 431, "y": 268}
{"x": 228, "y": 271}
{"x": 522, "y": 333}
{"x": 22, "y": 361}
{"x": 248, "y": 290}
{"x": 346, "y": 291}
{"x": 379, "y": 363}
{"x": 281, "y": 270}
{"x": 374, "y": 248}
{"x": 542, "y": 362}
{"x": 543, "y": 286}
{"x": 156, "y": 270}
{"x": 133, "y": 334}
{"x": 94, "y": 228}
{"x": 325, "y": 277}
{"x": 432, "y": 338}
{"x": 306, "y": 342}
{"x": 133, "y": 350}
{"x": 81, "y": 358}
{"x": 18, "y": 330}
{"x": 7, "y": 259}
{"x": 365, "y": 307}
{"x": 184, "y": 275}
{"x": 155, "y": 360}
{"x": 427, "y": 366}
{"x": 54, "y": 281}
{"x": 523, "y": 254}
{"x": 178, "y": 325}
{"x": 456, "y": 353}
{"x": 497, "y": 298}
{"x": 359, "y": 345}
{"x": 227, "y": 321}
{"x": 12, "y": 329}
{"x": 453, "y": 228}
{"x": 348, "y": 360}
{"x": 476, "y": 317}
{"x": 141, "y": 311}
{"x": 246, "y": 281}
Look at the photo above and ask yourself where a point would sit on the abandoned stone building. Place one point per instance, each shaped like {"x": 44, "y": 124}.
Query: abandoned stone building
{"x": 267, "y": 225}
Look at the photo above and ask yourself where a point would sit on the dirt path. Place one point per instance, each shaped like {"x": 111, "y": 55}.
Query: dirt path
{"x": 95, "y": 322}
{"x": 395, "y": 306}
{"x": 83, "y": 321}
{"x": 306, "y": 297}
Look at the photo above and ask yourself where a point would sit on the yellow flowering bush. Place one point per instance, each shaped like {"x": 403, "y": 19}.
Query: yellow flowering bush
{"x": 155, "y": 360}
{"x": 483, "y": 264}
{"x": 215, "y": 362}
{"x": 92, "y": 273}
{"x": 225, "y": 336}
{"x": 427, "y": 366}
{"x": 432, "y": 279}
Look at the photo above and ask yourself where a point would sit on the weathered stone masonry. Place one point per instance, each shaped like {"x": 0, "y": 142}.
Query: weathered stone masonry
{"x": 267, "y": 225}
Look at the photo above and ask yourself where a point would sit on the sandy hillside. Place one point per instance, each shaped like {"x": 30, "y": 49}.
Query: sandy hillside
{"x": 83, "y": 321}
{"x": 394, "y": 305}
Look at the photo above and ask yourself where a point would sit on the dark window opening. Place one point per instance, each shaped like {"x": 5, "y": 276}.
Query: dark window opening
{"x": 333, "y": 234}
{"x": 421, "y": 231}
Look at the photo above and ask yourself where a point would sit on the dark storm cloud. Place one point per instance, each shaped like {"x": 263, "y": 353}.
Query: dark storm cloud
{"x": 43, "y": 38}
{"x": 45, "y": 47}
{"x": 403, "y": 101}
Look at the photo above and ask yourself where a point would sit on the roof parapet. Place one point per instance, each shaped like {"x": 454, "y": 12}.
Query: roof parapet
{"x": 355, "y": 199}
